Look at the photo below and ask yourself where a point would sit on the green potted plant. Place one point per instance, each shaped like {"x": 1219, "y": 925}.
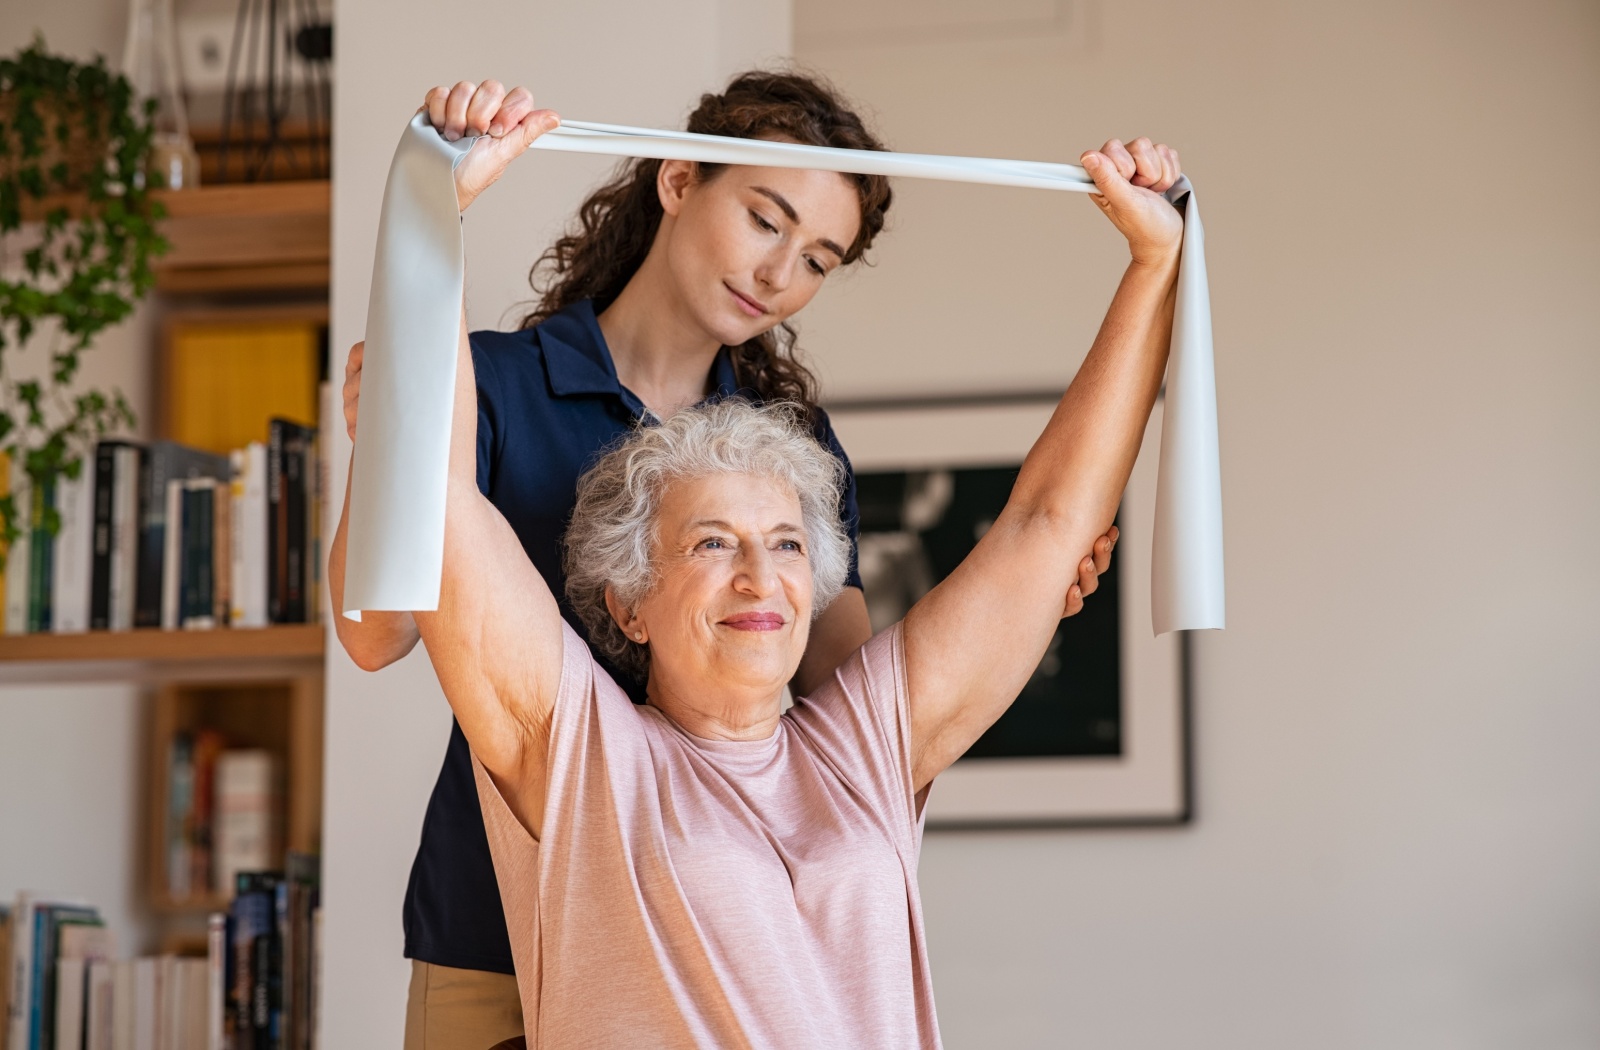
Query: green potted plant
{"x": 77, "y": 235}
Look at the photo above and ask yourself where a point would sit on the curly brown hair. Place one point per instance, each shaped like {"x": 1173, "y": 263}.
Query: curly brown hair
{"x": 616, "y": 225}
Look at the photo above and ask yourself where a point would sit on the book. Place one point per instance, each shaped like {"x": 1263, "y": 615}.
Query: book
{"x": 122, "y": 1004}
{"x": 72, "y": 977}
{"x": 172, "y": 554}
{"x": 247, "y": 795}
{"x": 180, "y": 809}
{"x": 41, "y": 555}
{"x": 74, "y": 553}
{"x": 128, "y": 460}
{"x": 217, "y": 970}
{"x": 104, "y": 484}
{"x": 196, "y": 560}
{"x": 222, "y": 553}
{"x": 249, "y": 542}
{"x": 5, "y": 975}
{"x": 18, "y": 555}
{"x": 289, "y": 451}
{"x": 163, "y": 462}
{"x": 208, "y": 747}
{"x": 99, "y": 1016}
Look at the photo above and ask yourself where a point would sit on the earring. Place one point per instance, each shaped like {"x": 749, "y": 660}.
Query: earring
{"x": 639, "y": 637}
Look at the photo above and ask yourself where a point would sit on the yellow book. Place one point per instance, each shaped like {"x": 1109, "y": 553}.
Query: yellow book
{"x": 226, "y": 380}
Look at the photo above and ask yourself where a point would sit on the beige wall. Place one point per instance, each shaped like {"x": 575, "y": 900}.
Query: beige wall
{"x": 1398, "y": 840}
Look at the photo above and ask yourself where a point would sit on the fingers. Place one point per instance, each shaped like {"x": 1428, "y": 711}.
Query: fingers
{"x": 1074, "y": 604}
{"x": 517, "y": 105}
{"x": 1114, "y": 189}
{"x": 352, "y": 386}
{"x": 483, "y": 105}
{"x": 455, "y": 110}
{"x": 1102, "y": 549}
{"x": 434, "y": 104}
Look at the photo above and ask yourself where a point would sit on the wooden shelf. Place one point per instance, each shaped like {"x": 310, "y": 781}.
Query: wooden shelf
{"x": 251, "y": 237}
{"x": 290, "y": 641}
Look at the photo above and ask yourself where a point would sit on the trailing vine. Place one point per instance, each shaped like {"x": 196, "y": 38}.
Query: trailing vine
{"x": 77, "y": 236}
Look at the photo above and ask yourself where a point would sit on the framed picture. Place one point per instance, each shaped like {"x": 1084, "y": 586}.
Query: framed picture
{"x": 1100, "y": 734}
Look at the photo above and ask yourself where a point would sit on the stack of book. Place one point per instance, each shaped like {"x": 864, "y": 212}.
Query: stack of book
{"x": 163, "y": 535}
{"x": 223, "y": 814}
{"x": 255, "y": 988}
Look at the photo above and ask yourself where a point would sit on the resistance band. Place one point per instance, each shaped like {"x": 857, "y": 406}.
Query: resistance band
{"x": 399, "y": 474}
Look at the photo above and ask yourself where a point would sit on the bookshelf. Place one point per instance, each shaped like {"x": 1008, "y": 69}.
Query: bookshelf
{"x": 151, "y": 644}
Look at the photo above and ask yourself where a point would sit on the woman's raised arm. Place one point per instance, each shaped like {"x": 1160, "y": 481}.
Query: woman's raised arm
{"x": 972, "y": 641}
{"x": 495, "y": 640}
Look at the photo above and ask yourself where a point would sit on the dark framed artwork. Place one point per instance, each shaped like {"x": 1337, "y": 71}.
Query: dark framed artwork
{"x": 1100, "y": 734}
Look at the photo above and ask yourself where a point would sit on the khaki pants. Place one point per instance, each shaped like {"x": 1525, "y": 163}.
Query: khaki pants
{"x": 450, "y": 1009}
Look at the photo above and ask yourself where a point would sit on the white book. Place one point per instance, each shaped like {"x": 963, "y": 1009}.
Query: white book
{"x": 17, "y": 555}
{"x": 147, "y": 1004}
{"x": 172, "y": 555}
{"x": 123, "y": 995}
{"x": 196, "y": 977}
{"x": 99, "y": 1013}
{"x": 70, "y": 994}
{"x": 250, "y": 537}
{"x": 74, "y": 553}
{"x": 245, "y": 836}
{"x": 216, "y": 973}
{"x": 124, "y": 537}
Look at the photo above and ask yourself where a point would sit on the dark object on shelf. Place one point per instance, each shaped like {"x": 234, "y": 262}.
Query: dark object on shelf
{"x": 281, "y": 54}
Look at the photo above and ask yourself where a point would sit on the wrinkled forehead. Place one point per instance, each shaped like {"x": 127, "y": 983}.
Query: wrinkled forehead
{"x": 729, "y": 499}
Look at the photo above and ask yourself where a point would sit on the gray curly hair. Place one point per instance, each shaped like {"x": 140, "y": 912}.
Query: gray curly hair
{"x": 611, "y": 539}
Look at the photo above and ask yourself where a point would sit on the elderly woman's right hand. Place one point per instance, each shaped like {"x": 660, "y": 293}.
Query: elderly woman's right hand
{"x": 508, "y": 123}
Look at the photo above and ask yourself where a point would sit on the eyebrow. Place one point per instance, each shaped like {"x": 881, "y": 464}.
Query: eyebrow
{"x": 718, "y": 523}
{"x": 788, "y": 209}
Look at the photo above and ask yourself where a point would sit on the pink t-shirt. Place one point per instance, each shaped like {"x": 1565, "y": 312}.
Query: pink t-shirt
{"x": 720, "y": 894}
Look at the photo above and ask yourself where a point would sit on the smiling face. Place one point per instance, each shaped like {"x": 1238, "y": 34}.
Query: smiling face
{"x": 730, "y": 611}
{"x": 748, "y": 247}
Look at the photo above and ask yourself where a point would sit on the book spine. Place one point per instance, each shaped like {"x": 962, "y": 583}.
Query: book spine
{"x": 105, "y": 472}
{"x": 294, "y": 484}
{"x": 257, "y": 547}
{"x": 41, "y": 548}
{"x": 277, "y": 526}
{"x": 71, "y": 992}
{"x": 222, "y": 553}
{"x": 151, "y": 486}
{"x": 195, "y": 538}
{"x": 172, "y": 553}
{"x": 216, "y": 978}
{"x": 125, "y": 537}
{"x": 18, "y": 556}
{"x": 21, "y": 961}
{"x": 180, "y": 809}
{"x": 99, "y": 1019}
{"x": 69, "y": 600}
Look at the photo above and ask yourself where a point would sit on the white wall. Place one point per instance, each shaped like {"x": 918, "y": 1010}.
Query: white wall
{"x": 637, "y": 62}
{"x": 70, "y": 762}
{"x": 1398, "y": 840}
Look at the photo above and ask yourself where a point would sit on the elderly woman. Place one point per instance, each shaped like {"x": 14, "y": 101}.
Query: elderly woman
{"x": 709, "y": 870}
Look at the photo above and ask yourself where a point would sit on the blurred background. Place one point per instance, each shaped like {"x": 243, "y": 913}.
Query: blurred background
{"x": 1394, "y": 839}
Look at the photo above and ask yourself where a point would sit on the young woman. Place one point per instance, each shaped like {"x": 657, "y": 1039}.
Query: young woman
{"x": 675, "y": 286}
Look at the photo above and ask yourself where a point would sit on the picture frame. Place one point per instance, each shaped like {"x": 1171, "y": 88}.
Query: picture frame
{"x": 1150, "y": 781}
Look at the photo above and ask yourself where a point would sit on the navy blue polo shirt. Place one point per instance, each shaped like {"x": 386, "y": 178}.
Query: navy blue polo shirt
{"x": 549, "y": 404}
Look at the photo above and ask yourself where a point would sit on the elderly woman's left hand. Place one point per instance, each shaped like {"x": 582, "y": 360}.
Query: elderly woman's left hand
{"x": 1089, "y": 571}
{"x": 1131, "y": 179}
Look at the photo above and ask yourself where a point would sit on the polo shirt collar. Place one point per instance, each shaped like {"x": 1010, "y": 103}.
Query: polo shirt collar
{"x": 578, "y": 363}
